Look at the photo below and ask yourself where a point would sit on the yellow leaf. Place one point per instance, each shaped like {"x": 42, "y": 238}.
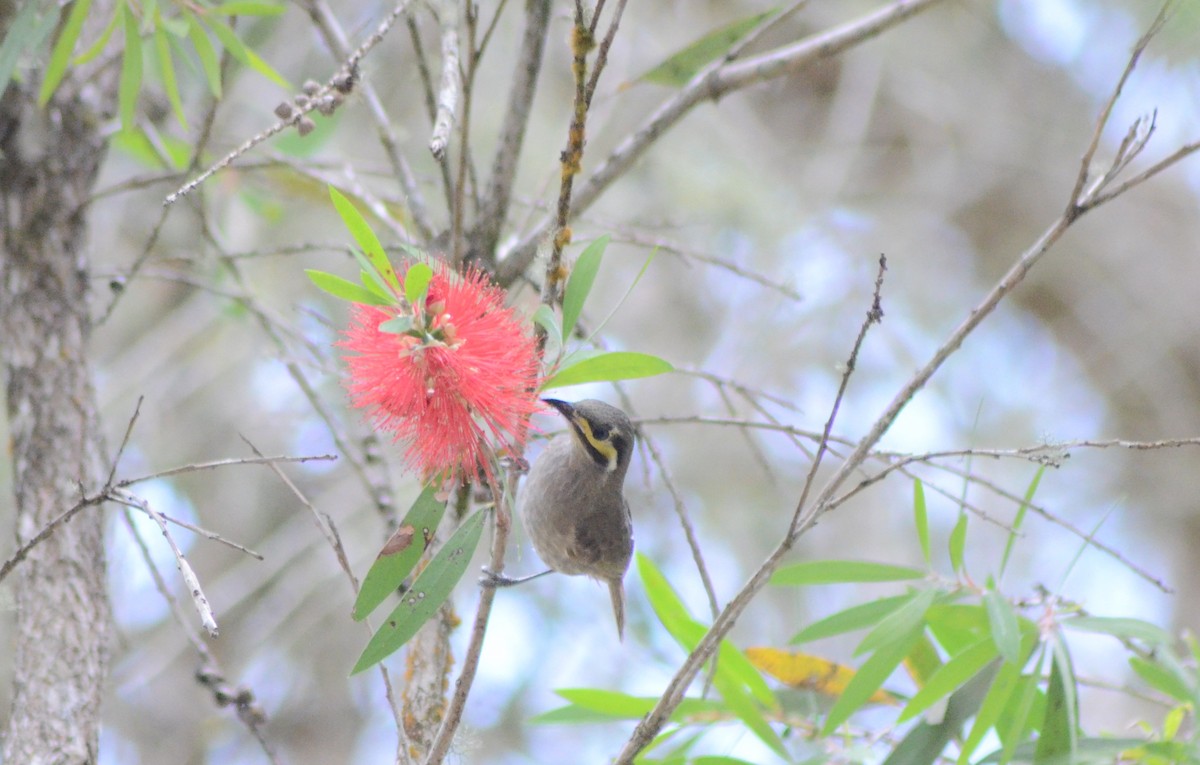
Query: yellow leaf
{"x": 802, "y": 670}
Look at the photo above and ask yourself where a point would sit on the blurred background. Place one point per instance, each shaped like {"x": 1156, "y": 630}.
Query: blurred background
{"x": 949, "y": 144}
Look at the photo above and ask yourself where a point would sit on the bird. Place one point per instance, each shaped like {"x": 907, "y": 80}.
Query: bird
{"x": 573, "y": 505}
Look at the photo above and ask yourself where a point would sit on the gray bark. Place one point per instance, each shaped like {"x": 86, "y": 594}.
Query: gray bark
{"x": 48, "y": 163}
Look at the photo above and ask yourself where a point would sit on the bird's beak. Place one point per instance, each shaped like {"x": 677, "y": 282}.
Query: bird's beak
{"x": 565, "y": 409}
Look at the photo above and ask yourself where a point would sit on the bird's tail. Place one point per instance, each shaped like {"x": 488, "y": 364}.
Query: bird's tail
{"x": 616, "y": 588}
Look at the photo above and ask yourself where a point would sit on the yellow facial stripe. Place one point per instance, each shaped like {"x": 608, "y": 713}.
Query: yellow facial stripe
{"x": 604, "y": 448}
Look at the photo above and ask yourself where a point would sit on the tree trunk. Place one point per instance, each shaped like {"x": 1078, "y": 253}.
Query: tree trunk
{"x": 48, "y": 163}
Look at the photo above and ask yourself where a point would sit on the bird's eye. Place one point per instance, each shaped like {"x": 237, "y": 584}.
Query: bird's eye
{"x": 600, "y": 432}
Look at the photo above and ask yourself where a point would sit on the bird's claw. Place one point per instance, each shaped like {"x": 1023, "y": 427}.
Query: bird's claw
{"x": 492, "y": 579}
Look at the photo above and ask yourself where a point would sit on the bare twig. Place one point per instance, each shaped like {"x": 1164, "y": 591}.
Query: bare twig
{"x": 185, "y": 569}
{"x": 449, "y": 84}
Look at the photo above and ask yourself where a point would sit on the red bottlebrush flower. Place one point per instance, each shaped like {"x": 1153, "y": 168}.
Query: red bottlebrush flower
{"x": 460, "y": 376}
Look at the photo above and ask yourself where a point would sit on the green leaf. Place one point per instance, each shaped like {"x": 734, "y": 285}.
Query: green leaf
{"x": 958, "y": 541}
{"x": 1002, "y": 619}
{"x": 950, "y": 677}
{"x": 166, "y": 69}
{"x": 609, "y": 703}
{"x": 579, "y": 284}
{"x": 401, "y": 553}
{"x": 1105, "y": 751}
{"x": 243, "y": 54}
{"x": 248, "y": 8}
{"x": 743, "y": 706}
{"x": 870, "y": 678}
{"x": 131, "y": 70}
{"x": 853, "y": 618}
{"x": 608, "y": 367}
{"x": 629, "y": 291}
{"x": 28, "y": 29}
{"x": 60, "y": 56}
{"x": 839, "y": 571}
{"x": 683, "y": 65}
{"x": 397, "y": 325}
{"x": 1020, "y": 517}
{"x": 1119, "y": 627}
{"x": 544, "y": 317}
{"x": 896, "y": 625}
{"x": 921, "y": 518}
{"x": 96, "y": 48}
{"x": 343, "y": 289}
{"x": 1015, "y": 731}
{"x": 596, "y": 706}
{"x": 1058, "y": 730}
{"x": 376, "y": 261}
{"x": 430, "y": 589}
{"x": 416, "y": 283}
{"x": 209, "y": 61}
{"x": 1163, "y": 679}
{"x": 989, "y": 712}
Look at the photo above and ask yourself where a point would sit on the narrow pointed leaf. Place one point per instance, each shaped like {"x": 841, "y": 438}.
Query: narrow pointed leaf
{"x": 579, "y": 283}
{"x": 131, "y": 71}
{"x": 166, "y": 70}
{"x": 1019, "y": 709}
{"x": 64, "y": 46}
{"x": 397, "y": 559}
{"x": 841, "y": 571}
{"x": 243, "y": 54}
{"x": 683, "y": 65}
{"x": 921, "y": 519}
{"x": 610, "y": 703}
{"x": 430, "y": 589}
{"x": 742, "y": 704}
{"x": 96, "y": 48}
{"x": 609, "y": 367}
{"x": 248, "y": 8}
{"x": 397, "y": 325}
{"x": 1120, "y": 627}
{"x": 958, "y": 542}
{"x": 1162, "y": 679}
{"x": 950, "y": 677}
{"x": 870, "y": 678}
{"x": 358, "y": 227}
{"x": 343, "y": 289}
{"x": 989, "y": 712}
{"x": 209, "y": 61}
{"x": 909, "y": 617}
{"x": 32, "y": 24}
{"x": 1020, "y": 518}
{"x": 416, "y": 283}
{"x": 1002, "y": 620}
{"x": 853, "y": 618}
{"x": 1057, "y": 736}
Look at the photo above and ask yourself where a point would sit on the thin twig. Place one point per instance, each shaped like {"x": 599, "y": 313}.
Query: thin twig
{"x": 214, "y": 464}
{"x": 449, "y": 85}
{"x": 185, "y": 569}
{"x": 340, "y": 81}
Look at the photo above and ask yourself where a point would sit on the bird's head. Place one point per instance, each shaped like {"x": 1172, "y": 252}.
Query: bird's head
{"x": 604, "y": 432}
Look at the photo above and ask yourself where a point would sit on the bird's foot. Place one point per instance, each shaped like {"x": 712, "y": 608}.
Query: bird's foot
{"x": 492, "y": 579}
